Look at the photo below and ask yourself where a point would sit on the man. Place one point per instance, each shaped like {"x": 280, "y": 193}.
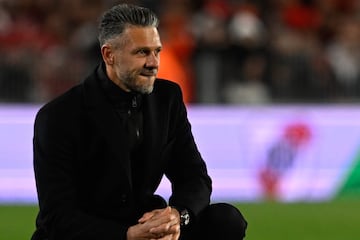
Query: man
{"x": 101, "y": 149}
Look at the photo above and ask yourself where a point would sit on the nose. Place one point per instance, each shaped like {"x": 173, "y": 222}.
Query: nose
{"x": 153, "y": 60}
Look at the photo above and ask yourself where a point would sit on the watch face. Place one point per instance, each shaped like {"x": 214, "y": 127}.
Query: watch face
{"x": 184, "y": 218}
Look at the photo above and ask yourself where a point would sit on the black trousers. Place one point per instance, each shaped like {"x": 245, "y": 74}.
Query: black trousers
{"x": 220, "y": 221}
{"x": 217, "y": 221}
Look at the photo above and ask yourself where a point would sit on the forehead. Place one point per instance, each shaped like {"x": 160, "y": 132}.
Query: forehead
{"x": 135, "y": 36}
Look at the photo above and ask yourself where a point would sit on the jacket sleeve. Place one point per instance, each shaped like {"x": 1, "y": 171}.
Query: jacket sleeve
{"x": 187, "y": 172}
{"x": 60, "y": 216}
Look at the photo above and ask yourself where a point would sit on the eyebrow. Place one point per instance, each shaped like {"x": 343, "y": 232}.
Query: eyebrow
{"x": 146, "y": 48}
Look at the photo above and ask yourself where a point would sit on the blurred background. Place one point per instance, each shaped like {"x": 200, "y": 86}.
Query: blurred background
{"x": 272, "y": 89}
{"x": 220, "y": 51}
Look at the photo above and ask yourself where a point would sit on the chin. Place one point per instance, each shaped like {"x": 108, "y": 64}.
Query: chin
{"x": 143, "y": 84}
{"x": 143, "y": 89}
{"x": 149, "y": 90}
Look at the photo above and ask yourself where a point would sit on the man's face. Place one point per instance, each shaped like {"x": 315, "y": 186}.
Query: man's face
{"x": 136, "y": 59}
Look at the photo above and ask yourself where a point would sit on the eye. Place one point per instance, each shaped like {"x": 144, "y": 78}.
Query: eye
{"x": 157, "y": 51}
{"x": 143, "y": 52}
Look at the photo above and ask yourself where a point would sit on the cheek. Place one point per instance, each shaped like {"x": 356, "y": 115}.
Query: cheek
{"x": 129, "y": 66}
{"x": 120, "y": 66}
{"x": 124, "y": 67}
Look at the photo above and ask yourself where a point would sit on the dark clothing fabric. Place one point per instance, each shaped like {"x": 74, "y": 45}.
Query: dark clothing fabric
{"x": 128, "y": 106}
{"x": 217, "y": 221}
{"x": 88, "y": 154}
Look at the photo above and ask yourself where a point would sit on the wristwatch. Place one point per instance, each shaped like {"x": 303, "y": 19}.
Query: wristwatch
{"x": 184, "y": 217}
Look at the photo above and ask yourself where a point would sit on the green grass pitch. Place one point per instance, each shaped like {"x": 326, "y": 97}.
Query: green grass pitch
{"x": 336, "y": 220}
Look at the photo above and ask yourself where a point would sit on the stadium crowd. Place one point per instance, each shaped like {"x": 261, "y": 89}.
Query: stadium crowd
{"x": 219, "y": 51}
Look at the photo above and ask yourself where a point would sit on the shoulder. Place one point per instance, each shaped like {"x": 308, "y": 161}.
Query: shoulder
{"x": 66, "y": 104}
{"x": 161, "y": 82}
{"x": 166, "y": 87}
{"x": 73, "y": 98}
{"x": 168, "y": 95}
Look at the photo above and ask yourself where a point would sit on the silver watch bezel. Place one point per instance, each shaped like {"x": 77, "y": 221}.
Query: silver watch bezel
{"x": 184, "y": 218}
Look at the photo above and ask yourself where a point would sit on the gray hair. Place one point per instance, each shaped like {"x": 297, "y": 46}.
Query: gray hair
{"x": 115, "y": 20}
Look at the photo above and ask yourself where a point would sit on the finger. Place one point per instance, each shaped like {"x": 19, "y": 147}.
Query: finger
{"x": 160, "y": 229}
{"x": 164, "y": 223}
{"x": 161, "y": 223}
{"x": 146, "y": 217}
{"x": 166, "y": 237}
{"x": 163, "y": 213}
{"x": 174, "y": 229}
{"x": 167, "y": 229}
{"x": 162, "y": 218}
{"x": 149, "y": 215}
{"x": 176, "y": 234}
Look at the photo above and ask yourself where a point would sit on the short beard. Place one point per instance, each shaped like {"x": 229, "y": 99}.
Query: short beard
{"x": 129, "y": 80}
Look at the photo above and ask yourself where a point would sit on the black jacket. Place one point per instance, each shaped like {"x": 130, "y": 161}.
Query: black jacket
{"x": 82, "y": 162}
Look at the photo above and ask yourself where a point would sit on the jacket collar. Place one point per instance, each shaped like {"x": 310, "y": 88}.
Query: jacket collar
{"x": 118, "y": 98}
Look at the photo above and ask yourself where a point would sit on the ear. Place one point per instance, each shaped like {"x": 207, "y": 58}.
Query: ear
{"x": 107, "y": 54}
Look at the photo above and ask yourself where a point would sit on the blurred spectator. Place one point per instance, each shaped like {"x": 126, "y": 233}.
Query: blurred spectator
{"x": 209, "y": 26}
{"x": 19, "y": 42}
{"x": 219, "y": 51}
{"x": 344, "y": 57}
{"x": 249, "y": 88}
{"x": 298, "y": 71}
{"x": 74, "y": 23}
{"x": 245, "y": 60}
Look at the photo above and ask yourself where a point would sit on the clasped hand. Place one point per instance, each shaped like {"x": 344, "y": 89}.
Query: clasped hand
{"x": 160, "y": 224}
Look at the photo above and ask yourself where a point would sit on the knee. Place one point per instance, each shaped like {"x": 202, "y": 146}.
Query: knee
{"x": 223, "y": 221}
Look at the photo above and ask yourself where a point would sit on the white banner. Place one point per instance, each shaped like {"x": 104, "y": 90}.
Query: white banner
{"x": 284, "y": 153}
